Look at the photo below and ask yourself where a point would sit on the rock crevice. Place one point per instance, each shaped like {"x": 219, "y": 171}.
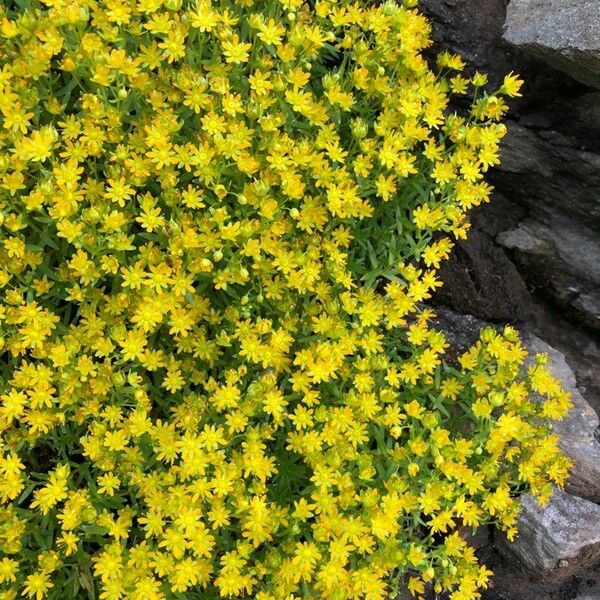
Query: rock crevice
{"x": 533, "y": 260}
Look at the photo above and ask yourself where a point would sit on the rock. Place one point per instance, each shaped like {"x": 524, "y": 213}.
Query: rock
{"x": 500, "y": 214}
{"x": 543, "y": 175}
{"x": 404, "y": 595}
{"x": 461, "y": 331}
{"x": 563, "y": 33}
{"x": 587, "y": 109}
{"x": 588, "y": 305}
{"x": 481, "y": 280}
{"x": 522, "y": 152}
{"x": 589, "y": 592}
{"x": 560, "y": 257}
{"x": 574, "y": 245}
{"x": 472, "y": 28}
{"x": 557, "y": 540}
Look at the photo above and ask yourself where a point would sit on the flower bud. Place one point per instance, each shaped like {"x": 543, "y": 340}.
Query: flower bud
{"x": 359, "y": 129}
{"x": 205, "y": 264}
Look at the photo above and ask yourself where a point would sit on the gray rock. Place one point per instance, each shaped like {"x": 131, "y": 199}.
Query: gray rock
{"x": 556, "y": 247}
{"x": 523, "y": 152}
{"x": 481, "y": 280}
{"x": 563, "y": 33}
{"x": 589, "y": 593}
{"x": 577, "y": 431}
{"x": 571, "y": 244}
{"x": 461, "y": 331}
{"x": 589, "y": 305}
{"x": 557, "y": 540}
{"x": 472, "y": 28}
{"x": 549, "y": 171}
{"x": 587, "y": 109}
{"x": 560, "y": 257}
{"x": 404, "y": 594}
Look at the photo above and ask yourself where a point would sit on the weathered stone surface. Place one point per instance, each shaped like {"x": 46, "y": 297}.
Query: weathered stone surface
{"x": 547, "y": 170}
{"x": 586, "y": 110}
{"x": 577, "y": 431}
{"x": 556, "y": 247}
{"x": 404, "y": 595}
{"x": 473, "y": 29}
{"x": 558, "y": 539}
{"x": 560, "y": 256}
{"x": 589, "y": 592}
{"x": 574, "y": 245}
{"x": 563, "y": 33}
{"x": 588, "y": 305}
{"x": 461, "y": 331}
{"x": 500, "y": 214}
{"x": 480, "y": 279}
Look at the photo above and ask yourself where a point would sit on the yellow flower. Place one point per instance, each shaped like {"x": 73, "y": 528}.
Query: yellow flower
{"x": 108, "y": 483}
{"x": 36, "y": 585}
{"x": 204, "y": 18}
{"x": 236, "y": 51}
{"x": 271, "y": 33}
{"x": 511, "y": 85}
{"x": 8, "y": 570}
{"x": 69, "y": 541}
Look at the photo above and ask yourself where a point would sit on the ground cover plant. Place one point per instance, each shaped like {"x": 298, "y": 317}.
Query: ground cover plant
{"x": 219, "y": 223}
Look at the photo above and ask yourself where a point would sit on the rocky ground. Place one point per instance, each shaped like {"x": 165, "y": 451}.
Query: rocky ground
{"x": 533, "y": 260}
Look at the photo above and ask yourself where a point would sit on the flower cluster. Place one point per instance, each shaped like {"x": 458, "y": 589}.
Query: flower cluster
{"x": 219, "y": 222}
